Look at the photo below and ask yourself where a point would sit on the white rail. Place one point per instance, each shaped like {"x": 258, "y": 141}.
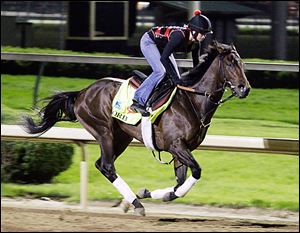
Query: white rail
{"x": 211, "y": 142}
{"x": 81, "y": 137}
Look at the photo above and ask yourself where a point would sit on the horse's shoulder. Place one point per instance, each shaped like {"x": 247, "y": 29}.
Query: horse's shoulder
{"x": 180, "y": 102}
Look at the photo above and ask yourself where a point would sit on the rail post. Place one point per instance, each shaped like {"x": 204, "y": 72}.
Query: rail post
{"x": 83, "y": 176}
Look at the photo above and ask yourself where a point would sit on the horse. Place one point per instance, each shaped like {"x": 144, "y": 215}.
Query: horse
{"x": 179, "y": 130}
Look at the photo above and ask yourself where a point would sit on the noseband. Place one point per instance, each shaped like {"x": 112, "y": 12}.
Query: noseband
{"x": 209, "y": 95}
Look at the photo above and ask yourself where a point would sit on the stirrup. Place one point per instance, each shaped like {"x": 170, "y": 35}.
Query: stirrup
{"x": 136, "y": 107}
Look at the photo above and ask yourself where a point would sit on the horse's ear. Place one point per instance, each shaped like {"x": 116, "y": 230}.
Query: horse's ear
{"x": 219, "y": 47}
{"x": 232, "y": 46}
{"x": 215, "y": 43}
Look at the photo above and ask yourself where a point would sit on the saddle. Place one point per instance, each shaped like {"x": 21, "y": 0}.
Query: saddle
{"x": 160, "y": 94}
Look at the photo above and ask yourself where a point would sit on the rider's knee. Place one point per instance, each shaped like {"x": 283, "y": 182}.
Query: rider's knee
{"x": 160, "y": 73}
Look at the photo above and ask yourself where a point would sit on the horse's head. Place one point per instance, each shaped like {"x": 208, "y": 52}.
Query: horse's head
{"x": 232, "y": 69}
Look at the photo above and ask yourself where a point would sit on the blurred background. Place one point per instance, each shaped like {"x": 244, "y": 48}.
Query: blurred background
{"x": 259, "y": 29}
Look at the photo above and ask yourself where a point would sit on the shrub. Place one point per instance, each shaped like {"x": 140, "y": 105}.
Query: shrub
{"x": 33, "y": 162}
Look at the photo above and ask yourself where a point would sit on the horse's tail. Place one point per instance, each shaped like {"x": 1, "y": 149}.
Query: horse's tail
{"x": 59, "y": 108}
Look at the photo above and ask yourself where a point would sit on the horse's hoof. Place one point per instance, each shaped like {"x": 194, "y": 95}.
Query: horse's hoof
{"x": 125, "y": 205}
{"x": 170, "y": 196}
{"x": 139, "y": 211}
{"x": 143, "y": 193}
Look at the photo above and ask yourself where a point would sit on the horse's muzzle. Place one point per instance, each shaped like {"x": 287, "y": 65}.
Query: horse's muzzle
{"x": 241, "y": 91}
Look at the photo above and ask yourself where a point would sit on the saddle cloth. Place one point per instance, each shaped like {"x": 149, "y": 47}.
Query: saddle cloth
{"x": 123, "y": 100}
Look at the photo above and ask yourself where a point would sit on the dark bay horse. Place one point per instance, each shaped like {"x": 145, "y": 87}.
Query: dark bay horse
{"x": 179, "y": 130}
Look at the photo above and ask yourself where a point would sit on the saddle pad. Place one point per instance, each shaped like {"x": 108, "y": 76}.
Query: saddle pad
{"x": 123, "y": 100}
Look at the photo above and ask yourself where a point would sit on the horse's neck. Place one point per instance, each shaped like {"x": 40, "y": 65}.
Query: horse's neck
{"x": 211, "y": 81}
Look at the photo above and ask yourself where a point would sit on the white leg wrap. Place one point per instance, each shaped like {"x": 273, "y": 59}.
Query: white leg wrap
{"x": 124, "y": 189}
{"x": 159, "y": 193}
{"x": 185, "y": 187}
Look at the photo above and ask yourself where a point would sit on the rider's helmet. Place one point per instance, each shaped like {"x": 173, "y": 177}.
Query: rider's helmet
{"x": 200, "y": 23}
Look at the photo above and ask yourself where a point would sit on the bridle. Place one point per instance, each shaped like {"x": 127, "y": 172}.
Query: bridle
{"x": 210, "y": 95}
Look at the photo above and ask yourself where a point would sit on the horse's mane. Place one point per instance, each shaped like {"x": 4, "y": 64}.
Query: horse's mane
{"x": 196, "y": 73}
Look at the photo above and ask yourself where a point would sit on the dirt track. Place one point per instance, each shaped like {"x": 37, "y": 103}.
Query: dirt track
{"x": 37, "y": 215}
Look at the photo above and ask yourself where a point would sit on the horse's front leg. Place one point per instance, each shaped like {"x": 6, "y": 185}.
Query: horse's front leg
{"x": 180, "y": 173}
{"x": 184, "y": 156}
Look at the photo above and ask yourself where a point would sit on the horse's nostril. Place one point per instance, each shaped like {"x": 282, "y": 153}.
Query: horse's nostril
{"x": 242, "y": 91}
{"x": 241, "y": 88}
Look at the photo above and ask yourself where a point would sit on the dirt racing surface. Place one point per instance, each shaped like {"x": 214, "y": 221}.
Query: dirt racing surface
{"x": 47, "y": 215}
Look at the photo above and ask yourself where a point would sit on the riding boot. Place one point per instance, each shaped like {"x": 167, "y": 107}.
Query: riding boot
{"x": 137, "y": 107}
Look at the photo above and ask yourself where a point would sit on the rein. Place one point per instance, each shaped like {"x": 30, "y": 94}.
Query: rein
{"x": 209, "y": 94}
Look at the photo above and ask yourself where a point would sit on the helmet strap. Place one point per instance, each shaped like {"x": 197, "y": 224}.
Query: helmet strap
{"x": 195, "y": 34}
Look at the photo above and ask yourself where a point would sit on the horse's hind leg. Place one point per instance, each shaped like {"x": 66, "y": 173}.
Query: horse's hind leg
{"x": 121, "y": 142}
{"x": 105, "y": 164}
{"x": 110, "y": 150}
